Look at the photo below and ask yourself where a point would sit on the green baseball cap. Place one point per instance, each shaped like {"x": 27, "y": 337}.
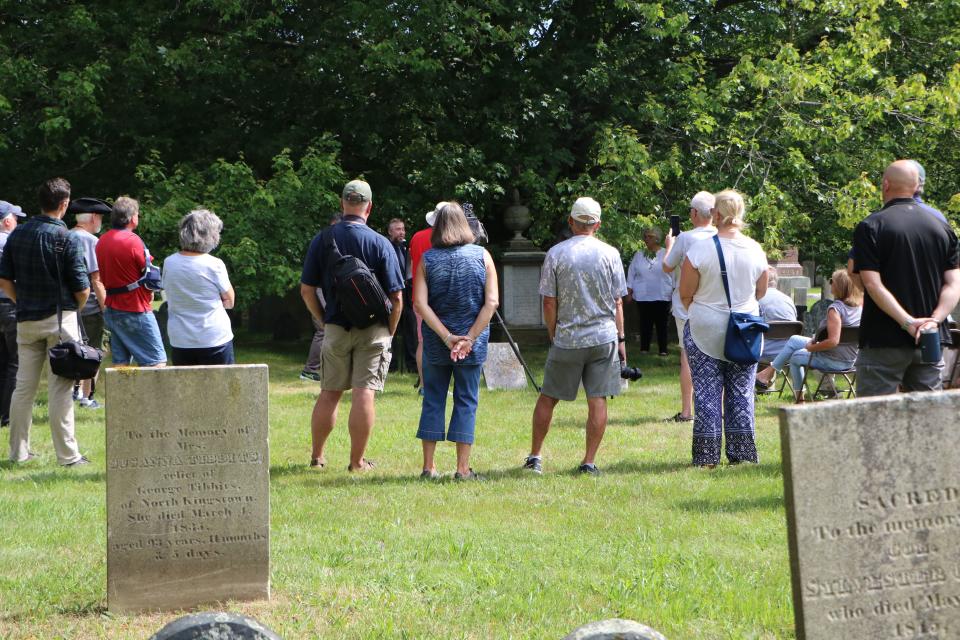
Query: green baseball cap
{"x": 357, "y": 191}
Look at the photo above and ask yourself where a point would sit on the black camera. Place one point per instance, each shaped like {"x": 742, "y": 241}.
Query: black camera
{"x": 630, "y": 373}
{"x": 479, "y": 232}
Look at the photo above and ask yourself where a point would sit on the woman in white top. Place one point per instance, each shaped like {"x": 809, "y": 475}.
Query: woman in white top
{"x": 198, "y": 294}
{"x": 722, "y": 390}
{"x": 651, "y": 289}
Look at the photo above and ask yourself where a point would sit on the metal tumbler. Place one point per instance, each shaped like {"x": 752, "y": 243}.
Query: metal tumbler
{"x": 930, "y": 346}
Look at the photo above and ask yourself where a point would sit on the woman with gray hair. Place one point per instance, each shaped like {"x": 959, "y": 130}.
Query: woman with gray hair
{"x": 198, "y": 294}
{"x": 651, "y": 289}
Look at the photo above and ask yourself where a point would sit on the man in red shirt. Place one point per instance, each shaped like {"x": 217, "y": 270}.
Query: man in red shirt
{"x": 419, "y": 244}
{"x": 121, "y": 255}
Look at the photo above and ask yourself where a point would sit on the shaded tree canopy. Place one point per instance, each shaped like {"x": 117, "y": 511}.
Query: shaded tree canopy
{"x": 260, "y": 109}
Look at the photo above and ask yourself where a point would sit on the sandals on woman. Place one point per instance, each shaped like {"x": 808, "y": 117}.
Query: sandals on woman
{"x": 365, "y": 465}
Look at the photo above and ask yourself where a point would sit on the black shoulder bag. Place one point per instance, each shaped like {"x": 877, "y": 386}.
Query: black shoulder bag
{"x": 69, "y": 358}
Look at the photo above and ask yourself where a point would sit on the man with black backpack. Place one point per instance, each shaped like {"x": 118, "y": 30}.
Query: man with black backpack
{"x": 357, "y": 270}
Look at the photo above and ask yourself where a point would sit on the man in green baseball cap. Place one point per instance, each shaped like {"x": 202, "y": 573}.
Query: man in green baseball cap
{"x": 357, "y": 191}
{"x": 355, "y": 355}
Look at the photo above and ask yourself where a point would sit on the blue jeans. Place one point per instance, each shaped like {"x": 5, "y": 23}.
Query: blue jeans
{"x": 201, "y": 356}
{"x": 466, "y": 395}
{"x": 134, "y": 336}
{"x": 798, "y": 357}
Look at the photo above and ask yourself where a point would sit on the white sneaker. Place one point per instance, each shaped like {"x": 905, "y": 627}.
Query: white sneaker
{"x": 90, "y": 404}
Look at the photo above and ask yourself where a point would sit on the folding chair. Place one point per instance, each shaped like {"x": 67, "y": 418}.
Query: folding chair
{"x": 780, "y": 330}
{"x": 848, "y": 336}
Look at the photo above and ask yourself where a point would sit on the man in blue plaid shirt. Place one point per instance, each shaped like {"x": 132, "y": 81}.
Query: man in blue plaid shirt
{"x": 31, "y": 276}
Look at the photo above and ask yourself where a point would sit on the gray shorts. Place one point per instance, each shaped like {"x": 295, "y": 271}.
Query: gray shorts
{"x": 597, "y": 367}
{"x": 881, "y": 370}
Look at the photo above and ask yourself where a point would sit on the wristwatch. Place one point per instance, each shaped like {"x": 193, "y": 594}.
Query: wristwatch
{"x": 621, "y": 339}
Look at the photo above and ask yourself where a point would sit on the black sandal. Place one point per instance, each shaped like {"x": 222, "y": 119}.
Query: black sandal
{"x": 365, "y": 465}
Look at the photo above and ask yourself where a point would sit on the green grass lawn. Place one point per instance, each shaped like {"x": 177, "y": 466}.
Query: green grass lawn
{"x": 692, "y": 553}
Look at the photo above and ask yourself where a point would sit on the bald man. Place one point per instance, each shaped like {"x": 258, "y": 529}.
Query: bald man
{"x": 908, "y": 262}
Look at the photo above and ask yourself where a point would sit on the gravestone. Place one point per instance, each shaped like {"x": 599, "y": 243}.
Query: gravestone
{"x": 503, "y": 370}
{"x": 789, "y": 264}
{"x": 873, "y": 509}
{"x": 522, "y": 306}
{"x": 215, "y": 626}
{"x": 789, "y": 283}
{"x": 614, "y": 629}
{"x": 188, "y": 486}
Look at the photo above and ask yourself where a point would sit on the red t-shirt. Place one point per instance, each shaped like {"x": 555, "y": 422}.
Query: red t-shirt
{"x": 121, "y": 261}
{"x": 419, "y": 245}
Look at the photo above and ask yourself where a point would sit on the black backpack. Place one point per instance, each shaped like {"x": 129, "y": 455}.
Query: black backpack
{"x": 359, "y": 294}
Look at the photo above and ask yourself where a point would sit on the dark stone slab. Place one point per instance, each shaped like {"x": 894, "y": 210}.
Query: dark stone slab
{"x": 215, "y": 626}
{"x": 614, "y": 629}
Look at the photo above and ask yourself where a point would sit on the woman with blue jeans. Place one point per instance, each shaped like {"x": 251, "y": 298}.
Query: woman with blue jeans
{"x": 455, "y": 292}
{"x": 827, "y": 354}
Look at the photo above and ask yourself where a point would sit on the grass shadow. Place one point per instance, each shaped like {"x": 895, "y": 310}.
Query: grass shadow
{"x": 51, "y": 477}
{"x": 90, "y": 609}
{"x": 756, "y": 503}
{"x": 655, "y": 467}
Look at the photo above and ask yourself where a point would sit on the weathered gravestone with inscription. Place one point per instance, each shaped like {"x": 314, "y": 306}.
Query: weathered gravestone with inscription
{"x": 872, "y": 491}
{"x": 502, "y": 369}
{"x": 188, "y": 486}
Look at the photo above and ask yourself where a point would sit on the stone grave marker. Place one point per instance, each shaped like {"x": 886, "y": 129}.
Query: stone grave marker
{"x": 215, "y": 625}
{"x": 522, "y": 305}
{"x": 503, "y": 370}
{"x": 614, "y": 629}
{"x": 873, "y": 512}
{"x": 188, "y": 486}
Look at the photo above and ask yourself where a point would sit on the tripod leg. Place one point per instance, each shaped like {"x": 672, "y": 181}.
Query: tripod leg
{"x": 516, "y": 350}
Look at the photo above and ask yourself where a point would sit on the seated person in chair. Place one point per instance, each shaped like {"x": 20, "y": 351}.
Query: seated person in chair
{"x": 775, "y": 306}
{"x": 827, "y": 354}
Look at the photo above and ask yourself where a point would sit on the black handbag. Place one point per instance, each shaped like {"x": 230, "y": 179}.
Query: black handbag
{"x": 70, "y": 358}
{"x": 744, "y": 338}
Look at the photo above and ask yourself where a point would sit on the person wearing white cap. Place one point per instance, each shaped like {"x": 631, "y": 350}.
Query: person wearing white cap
{"x": 583, "y": 284}
{"x": 419, "y": 244}
{"x": 677, "y": 247}
{"x": 9, "y": 216}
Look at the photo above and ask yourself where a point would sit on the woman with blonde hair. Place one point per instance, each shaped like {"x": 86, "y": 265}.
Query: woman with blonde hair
{"x": 455, "y": 292}
{"x": 722, "y": 390}
{"x": 827, "y": 354}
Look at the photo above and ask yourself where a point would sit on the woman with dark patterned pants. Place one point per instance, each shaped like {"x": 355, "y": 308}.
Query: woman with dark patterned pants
{"x": 722, "y": 390}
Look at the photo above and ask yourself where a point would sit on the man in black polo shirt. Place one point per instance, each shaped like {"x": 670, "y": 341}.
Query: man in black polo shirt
{"x": 908, "y": 262}
{"x": 29, "y": 276}
{"x": 351, "y": 358}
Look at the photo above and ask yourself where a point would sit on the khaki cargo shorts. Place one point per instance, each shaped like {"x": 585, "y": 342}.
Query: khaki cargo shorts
{"x": 355, "y": 359}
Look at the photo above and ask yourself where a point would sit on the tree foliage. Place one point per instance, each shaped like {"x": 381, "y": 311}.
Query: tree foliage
{"x": 236, "y": 104}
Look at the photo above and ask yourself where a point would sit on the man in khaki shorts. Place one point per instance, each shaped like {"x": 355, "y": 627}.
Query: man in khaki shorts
{"x": 351, "y": 358}
{"x": 582, "y": 284}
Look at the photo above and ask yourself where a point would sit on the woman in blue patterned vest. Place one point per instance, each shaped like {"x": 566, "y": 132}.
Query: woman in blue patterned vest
{"x": 455, "y": 292}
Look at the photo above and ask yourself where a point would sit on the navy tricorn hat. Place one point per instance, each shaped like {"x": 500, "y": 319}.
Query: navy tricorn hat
{"x": 89, "y": 205}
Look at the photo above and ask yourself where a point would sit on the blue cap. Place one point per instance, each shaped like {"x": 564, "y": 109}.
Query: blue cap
{"x": 10, "y": 209}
